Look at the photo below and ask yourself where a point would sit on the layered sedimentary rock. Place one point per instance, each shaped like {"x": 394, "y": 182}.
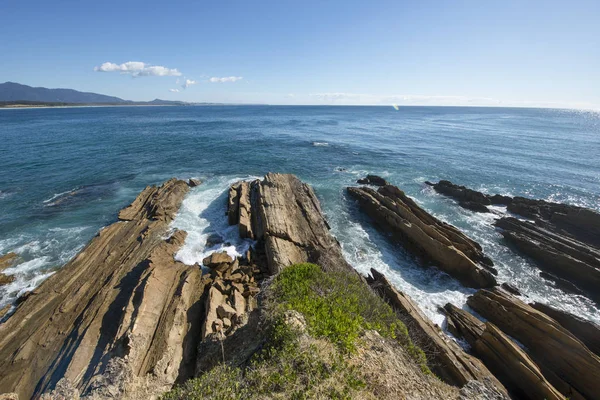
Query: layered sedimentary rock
{"x": 122, "y": 308}
{"x": 446, "y": 358}
{"x": 561, "y": 255}
{"x": 373, "y": 180}
{"x": 504, "y": 357}
{"x": 564, "y": 360}
{"x": 442, "y": 243}
{"x": 7, "y": 261}
{"x": 285, "y": 216}
{"x": 563, "y": 239}
{"x": 468, "y": 198}
{"x": 586, "y": 331}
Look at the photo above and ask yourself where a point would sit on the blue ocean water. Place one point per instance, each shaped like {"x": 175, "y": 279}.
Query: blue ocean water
{"x": 64, "y": 173}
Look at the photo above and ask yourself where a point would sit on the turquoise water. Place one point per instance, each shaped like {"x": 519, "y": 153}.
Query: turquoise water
{"x": 64, "y": 173}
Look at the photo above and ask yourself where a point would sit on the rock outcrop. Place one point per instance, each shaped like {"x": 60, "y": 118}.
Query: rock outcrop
{"x": 468, "y": 198}
{"x": 563, "y": 359}
{"x": 509, "y": 363}
{"x": 7, "y": 261}
{"x": 563, "y": 239}
{"x": 373, "y": 180}
{"x": 442, "y": 243}
{"x": 446, "y": 358}
{"x": 123, "y": 303}
{"x": 561, "y": 255}
{"x": 586, "y": 331}
{"x": 285, "y": 216}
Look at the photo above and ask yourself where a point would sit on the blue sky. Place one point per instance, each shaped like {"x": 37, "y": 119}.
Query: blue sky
{"x": 523, "y": 53}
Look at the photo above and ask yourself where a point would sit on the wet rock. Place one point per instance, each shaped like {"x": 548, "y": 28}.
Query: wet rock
{"x": 8, "y": 260}
{"x": 443, "y": 244}
{"x": 6, "y": 279}
{"x": 563, "y": 359}
{"x": 561, "y": 283}
{"x": 448, "y": 360}
{"x": 560, "y": 255}
{"x": 521, "y": 376}
{"x": 510, "y": 288}
{"x": 586, "y": 331}
{"x": 123, "y": 294}
{"x": 4, "y": 310}
{"x": 214, "y": 239}
{"x": 193, "y": 182}
{"x": 466, "y": 197}
{"x": 373, "y": 180}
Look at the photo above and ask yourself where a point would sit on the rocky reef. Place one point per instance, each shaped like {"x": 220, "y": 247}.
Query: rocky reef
{"x": 564, "y": 240}
{"x": 290, "y": 318}
{"x": 434, "y": 240}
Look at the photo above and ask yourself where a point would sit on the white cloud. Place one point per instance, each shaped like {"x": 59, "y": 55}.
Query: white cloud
{"x": 174, "y": 90}
{"x": 188, "y": 83}
{"x": 225, "y": 79}
{"x": 137, "y": 68}
{"x": 373, "y": 99}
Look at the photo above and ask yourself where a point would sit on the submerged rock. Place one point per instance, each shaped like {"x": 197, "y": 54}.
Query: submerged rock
{"x": 563, "y": 359}
{"x": 442, "y": 243}
{"x": 8, "y": 260}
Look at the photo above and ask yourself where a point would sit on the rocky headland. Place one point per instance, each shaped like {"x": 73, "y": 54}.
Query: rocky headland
{"x": 291, "y": 318}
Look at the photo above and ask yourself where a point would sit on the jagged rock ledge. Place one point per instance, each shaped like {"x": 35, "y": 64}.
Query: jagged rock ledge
{"x": 123, "y": 297}
{"x": 442, "y": 243}
{"x": 566, "y": 362}
{"x": 563, "y": 239}
{"x": 448, "y": 360}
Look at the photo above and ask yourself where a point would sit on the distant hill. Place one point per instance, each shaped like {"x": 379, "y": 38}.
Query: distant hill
{"x": 13, "y": 92}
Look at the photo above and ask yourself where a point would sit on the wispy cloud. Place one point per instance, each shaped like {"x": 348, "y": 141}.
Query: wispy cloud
{"x": 373, "y": 99}
{"x": 225, "y": 79}
{"x": 174, "y": 90}
{"x": 187, "y": 83}
{"x": 137, "y": 68}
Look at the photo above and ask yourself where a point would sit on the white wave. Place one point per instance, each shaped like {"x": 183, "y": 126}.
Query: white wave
{"x": 320, "y": 144}
{"x": 28, "y": 266}
{"x": 201, "y": 215}
{"x": 57, "y": 195}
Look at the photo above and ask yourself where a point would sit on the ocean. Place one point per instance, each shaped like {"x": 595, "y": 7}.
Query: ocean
{"x": 65, "y": 173}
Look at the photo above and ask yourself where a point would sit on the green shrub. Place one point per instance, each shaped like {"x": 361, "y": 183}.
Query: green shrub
{"x": 337, "y": 307}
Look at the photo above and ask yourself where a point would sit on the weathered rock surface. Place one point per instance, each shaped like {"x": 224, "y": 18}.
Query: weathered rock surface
{"x": 561, "y": 255}
{"x": 564, "y": 240}
{"x": 586, "y": 331}
{"x": 193, "y": 182}
{"x": 445, "y": 245}
{"x": 447, "y": 359}
{"x": 373, "y": 180}
{"x": 563, "y": 359}
{"x": 7, "y": 260}
{"x": 509, "y": 363}
{"x": 286, "y": 217}
{"x": 123, "y": 297}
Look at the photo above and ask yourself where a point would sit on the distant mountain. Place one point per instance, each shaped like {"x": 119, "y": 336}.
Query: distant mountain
{"x": 12, "y": 92}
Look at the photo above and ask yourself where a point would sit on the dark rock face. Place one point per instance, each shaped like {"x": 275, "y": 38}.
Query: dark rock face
{"x": 586, "y": 331}
{"x": 511, "y": 289}
{"x": 449, "y": 361}
{"x": 561, "y": 255}
{"x": 437, "y": 241}
{"x": 521, "y": 376}
{"x": 563, "y": 359}
{"x": 373, "y": 180}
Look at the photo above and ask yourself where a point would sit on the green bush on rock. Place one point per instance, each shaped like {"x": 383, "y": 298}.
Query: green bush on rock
{"x": 311, "y": 361}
